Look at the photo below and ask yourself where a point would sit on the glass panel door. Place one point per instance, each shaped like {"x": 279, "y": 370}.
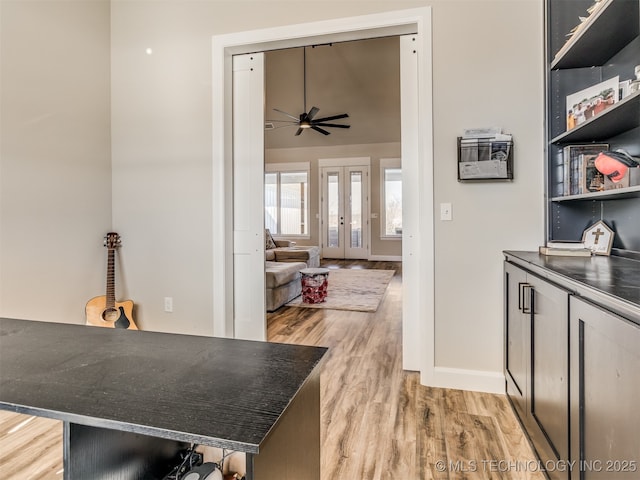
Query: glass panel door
{"x": 332, "y": 212}
{"x": 355, "y": 199}
{"x": 357, "y": 215}
{"x": 344, "y": 204}
{"x": 335, "y": 216}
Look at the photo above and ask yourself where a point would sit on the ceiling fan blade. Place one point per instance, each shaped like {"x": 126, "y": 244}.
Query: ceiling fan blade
{"x": 312, "y": 113}
{"x": 320, "y": 124}
{"x": 318, "y": 129}
{"x": 285, "y": 113}
{"x": 300, "y": 130}
{"x": 335, "y": 117}
{"x": 290, "y": 122}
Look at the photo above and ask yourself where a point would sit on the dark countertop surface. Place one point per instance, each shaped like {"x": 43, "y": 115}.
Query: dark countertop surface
{"x": 212, "y": 391}
{"x": 616, "y": 277}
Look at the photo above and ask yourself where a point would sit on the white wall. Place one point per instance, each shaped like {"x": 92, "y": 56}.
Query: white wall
{"x": 488, "y": 70}
{"x": 55, "y": 158}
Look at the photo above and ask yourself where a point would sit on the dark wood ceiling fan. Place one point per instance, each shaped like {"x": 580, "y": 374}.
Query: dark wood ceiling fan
{"x": 306, "y": 120}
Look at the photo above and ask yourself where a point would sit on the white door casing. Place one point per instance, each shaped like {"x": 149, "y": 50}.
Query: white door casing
{"x": 413, "y": 267}
{"x": 248, "y": 197}
{"x": 417, "y": 153}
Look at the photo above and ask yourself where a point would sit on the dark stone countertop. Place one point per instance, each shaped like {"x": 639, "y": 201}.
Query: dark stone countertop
{"x": 612, "y": 281}
{"x": 212, "y": 391}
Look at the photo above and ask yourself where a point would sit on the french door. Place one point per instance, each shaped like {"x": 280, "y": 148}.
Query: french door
{"x": 345, "y": 211}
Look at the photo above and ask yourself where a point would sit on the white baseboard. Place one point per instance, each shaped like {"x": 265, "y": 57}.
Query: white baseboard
{"x": 385, "y": 258}
{"x": 460, "y": 379}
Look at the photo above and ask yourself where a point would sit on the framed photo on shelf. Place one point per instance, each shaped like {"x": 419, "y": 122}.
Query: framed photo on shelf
{"x": 590, "y": 102}
{"x": 599, "y": 238}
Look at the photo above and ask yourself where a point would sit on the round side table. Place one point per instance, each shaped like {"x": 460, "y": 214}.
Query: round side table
{"x": 314, "y": 284}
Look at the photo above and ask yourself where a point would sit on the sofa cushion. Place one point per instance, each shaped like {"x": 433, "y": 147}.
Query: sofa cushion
{"x": 270, "y": 255}
{"x": 268, "y": 239}
{"x": 277, "y": 274}
{"x": 299, "y": 254}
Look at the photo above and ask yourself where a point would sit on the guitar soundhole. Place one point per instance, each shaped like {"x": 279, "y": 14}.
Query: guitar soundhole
{"x": 110, "y": 315}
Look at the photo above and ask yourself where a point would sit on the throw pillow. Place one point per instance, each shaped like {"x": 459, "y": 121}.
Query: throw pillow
{"x": 269, "y": 241}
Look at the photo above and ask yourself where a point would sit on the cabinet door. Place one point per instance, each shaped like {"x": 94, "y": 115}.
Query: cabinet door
{"x": 605, "y": 390}
{"x": 516, "y": 336}
{"x": 549, "y": 396}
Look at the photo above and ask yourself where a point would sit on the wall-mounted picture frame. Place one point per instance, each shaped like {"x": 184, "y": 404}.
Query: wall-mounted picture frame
{"x": 599, "y": 238}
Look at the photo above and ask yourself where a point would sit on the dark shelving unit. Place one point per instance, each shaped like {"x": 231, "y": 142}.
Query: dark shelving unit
{"x": 594, "y": 43}
{"x": 606, "y": 45}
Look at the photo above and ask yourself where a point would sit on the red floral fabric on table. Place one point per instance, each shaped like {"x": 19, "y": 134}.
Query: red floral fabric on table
{"x": 314, "y": 284}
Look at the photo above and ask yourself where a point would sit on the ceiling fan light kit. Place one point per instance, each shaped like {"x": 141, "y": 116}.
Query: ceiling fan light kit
{"x": 307, "y": 120}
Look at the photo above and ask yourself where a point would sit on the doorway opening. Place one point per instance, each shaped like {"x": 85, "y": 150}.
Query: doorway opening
{"x": 417, "y": 158}
{"x": 352, "y": 89}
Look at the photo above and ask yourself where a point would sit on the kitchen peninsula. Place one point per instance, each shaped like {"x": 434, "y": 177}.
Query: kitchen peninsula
{"x": 132, "y": 400}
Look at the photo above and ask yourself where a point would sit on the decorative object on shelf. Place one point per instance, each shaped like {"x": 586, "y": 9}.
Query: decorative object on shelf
{"x": 634, "y": 86}
{"x": 624, "y": 89}
{"x": 485, "y": 154}
{"x": 583, "y": 20}
{"x": 590, "y": 102}
{"x": 592, "y": 178}
{"x": 599, "y": 238}
{"x": 573, "y": 157}
{"x": 565, "y": 252}
{"x": 615, "y": 165}
{"x": 566, "y": 244}
{"x": 564, "y": 248}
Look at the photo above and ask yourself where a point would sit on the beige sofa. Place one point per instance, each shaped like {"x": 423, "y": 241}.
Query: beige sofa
{"x": 283, "y": 263}
{"x": 282, "y": 282}
{"x": 285, "y": 252}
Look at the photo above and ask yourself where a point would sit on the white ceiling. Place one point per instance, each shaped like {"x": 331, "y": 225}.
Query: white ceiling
{"x": 361, "y": 78}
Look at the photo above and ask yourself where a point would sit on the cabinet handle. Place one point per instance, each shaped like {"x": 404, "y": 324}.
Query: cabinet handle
{"x": 521, "y": 304}
{"x": 526, "y": 308}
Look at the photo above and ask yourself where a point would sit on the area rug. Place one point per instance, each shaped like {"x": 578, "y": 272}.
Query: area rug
{"x": 352, "y": 289}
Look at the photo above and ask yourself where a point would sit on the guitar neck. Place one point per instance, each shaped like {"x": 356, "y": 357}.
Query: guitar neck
{"x": 111, "y": 279}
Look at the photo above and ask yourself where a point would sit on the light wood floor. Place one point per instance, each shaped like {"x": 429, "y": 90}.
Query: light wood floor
{"x": 378, "y": 422}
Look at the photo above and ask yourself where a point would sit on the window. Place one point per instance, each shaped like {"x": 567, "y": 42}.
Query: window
{"x": 286, "y": 199}
{"x": 391, "y": 198}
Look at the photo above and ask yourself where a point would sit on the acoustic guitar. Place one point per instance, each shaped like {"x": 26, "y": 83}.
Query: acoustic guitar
{"x": 104, "y": 311}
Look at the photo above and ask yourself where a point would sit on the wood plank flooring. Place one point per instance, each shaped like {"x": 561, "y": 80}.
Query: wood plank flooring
{"x": 30, "y": 447}
{"x": 378, "y": 422}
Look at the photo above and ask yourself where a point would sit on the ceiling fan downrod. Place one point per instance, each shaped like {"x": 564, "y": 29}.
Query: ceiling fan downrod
{"x": 307, "y": 120}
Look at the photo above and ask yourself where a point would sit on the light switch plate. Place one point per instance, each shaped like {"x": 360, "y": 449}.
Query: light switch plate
{"x": 445, "y": 212}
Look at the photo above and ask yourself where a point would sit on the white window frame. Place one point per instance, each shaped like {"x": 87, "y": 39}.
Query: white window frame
{"x": 386, "y": 163}
{"x": 288, "y": 168}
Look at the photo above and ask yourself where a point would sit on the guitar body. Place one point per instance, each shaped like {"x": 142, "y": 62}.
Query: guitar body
{"x": 104, "y": 311}
{"x": 119, "y": 316}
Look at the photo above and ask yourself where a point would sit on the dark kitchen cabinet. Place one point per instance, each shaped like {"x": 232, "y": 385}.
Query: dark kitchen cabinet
{"x": 537, "y": 356}
{"x": 605, "y": 388}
